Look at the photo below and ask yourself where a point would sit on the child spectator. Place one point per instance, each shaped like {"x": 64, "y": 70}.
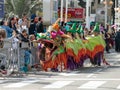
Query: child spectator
{"x": 23, "y": 37}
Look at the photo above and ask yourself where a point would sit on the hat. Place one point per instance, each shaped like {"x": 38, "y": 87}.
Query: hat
{"x": 78, "y": 29}
{"x": 96, "y": 28}
{"x": 55, "y": 26}
{"x": 81, "y": 30}
{"x": 73, "y": 28}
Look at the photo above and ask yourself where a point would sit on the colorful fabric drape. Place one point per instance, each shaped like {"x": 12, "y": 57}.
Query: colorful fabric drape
{"x": 74, "y": 52}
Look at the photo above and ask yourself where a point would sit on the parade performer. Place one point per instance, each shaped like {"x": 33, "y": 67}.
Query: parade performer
{"x": 95, "y": 47}
{"x": 58, "y": 55}
{"x": 74, "y": 48}
{"x": 70, "y": 51}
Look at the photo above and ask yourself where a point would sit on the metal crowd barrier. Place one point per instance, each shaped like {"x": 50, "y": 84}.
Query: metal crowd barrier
{"x": 8, "y": 57}
{"x": 14, "y": 59}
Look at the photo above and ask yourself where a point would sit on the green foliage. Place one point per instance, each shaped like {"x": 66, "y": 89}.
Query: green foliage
{"x": 18, "y": 7}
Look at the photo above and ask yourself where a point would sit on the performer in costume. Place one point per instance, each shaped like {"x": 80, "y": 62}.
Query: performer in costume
{"x": 58, "y": 56}
{"x": 72, "y": 51}
{"x": 97, "y": 46}
{"x": 75, "y": 49}
{"x": 80, "y": 32}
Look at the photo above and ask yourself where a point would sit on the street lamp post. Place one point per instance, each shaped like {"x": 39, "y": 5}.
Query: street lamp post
{"x": 88, "y": 13}
{"x": 107, "y": 3}
{"x": 66, "y": 11}
{"x": 117, "y": 17}
{"x": 106, "y": 10}
{"x": 61, "y": 13}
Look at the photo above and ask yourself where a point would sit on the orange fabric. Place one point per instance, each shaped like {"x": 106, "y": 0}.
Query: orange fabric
{"x": 97, "y": 49}
{"x": 81, "y": 53}
{"x": 61, "y": 59}
{"x": 70, "y": 52}
{"x": 58, "y": 60}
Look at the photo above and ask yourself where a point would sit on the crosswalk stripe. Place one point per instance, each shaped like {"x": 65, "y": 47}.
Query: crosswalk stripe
{"x": 2, "y": 81}
{"x": 118, "y": 87}
{"x": 92, "y": 84}
{"x": 58, "y": 84}
{"x": 20, "y": 84}
{"x": 68, "y": 74}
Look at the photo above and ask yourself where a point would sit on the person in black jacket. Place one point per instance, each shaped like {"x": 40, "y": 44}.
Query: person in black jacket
{"x": 107, "y": 41}
{"x": 32, "y": 28}
{"x": 23, "y": 37}
{"x": 39, "y": 26}
{"x": 117, "y": 41}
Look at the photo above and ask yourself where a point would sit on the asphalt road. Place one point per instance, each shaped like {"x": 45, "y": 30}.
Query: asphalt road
{"x": 86, "y": 78}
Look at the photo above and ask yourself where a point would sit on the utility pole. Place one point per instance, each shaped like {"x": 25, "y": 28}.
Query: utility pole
{"x": 66, "y": 11}
{"x": 106, "y": 13}
{"x": 88, "y": 13}
{"x": 61, "y": 13}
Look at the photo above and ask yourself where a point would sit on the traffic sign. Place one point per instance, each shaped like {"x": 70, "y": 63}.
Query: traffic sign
{"x": 1, "y": 8}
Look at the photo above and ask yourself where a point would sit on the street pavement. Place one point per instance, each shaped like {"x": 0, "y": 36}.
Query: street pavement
{"x": 85, "y": 78}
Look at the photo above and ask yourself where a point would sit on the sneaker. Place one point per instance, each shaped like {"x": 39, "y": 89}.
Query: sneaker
{"x": 3, "y": 71}
{"x": 9, "y": 71}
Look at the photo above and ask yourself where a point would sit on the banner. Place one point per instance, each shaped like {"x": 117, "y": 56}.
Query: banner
{"x": 73, "y": 13}
{"x": 1, "y": 8}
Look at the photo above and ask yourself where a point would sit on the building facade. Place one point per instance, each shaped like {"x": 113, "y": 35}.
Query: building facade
{"x": 98, "y": 8}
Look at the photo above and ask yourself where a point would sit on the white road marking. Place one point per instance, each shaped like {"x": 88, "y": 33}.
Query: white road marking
{"x": 20, "y": 84}
{"x": 2, "y": 81}
{"x": 81, "y": 79}
{"x": 90, "y": 75}
{"x": 92, "y": 84}
{"x": 66, "y": 79}
{"x": 58, "y": 84}
{"x": 68, "y": 74}
{"x": 118, "y": 87}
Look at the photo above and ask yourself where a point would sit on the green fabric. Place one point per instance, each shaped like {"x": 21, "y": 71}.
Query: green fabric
{"x": 96, "y": 28}
{"x": 76, "y": 45}
{"x": 94, "y": 41}
{"x": 43, "y": 37}
{"x": 59, "y": 51}
{"x": 38, "y": 36}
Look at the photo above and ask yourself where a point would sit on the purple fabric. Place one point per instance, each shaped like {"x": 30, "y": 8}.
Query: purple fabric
{"x": 55, "y": 33}
{"x": 101, "y": 28}
{"x": 59, "y": 32}
{"x": 71, "y": 64}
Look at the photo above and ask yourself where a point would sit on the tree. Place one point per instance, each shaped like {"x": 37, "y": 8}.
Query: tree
{"x": 18, "y": 7}
{"x": 82, "y": 3}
